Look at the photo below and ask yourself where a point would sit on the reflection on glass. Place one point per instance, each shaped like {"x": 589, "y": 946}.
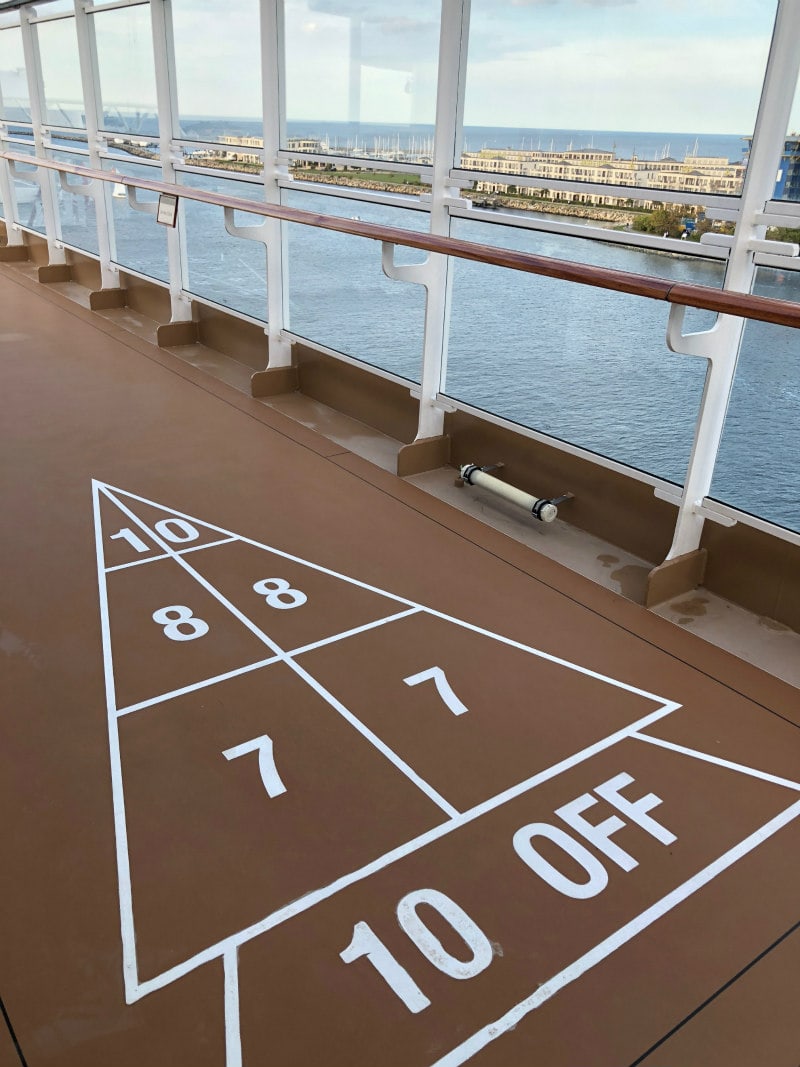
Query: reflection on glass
{"x": 14, "y": 97}
{"x": 339, "y": 296}
{"x": 228, "y": 270}
{"x": 55, "y": 7}
{"x": 77, "y": 213}
{"x": 649, "y": 93}
{"x": 127, "y": 71}
{"x": 27, "y": 194}
{"x": 373, "y": 89}
{"x": 584, "y": 365}
{"x": 758, "y": 469}
{"x": 61, "y": 72}
{"x": 140, "y": 243}
{"x": 787, "y": 183}
{"x": 218, "y": 69}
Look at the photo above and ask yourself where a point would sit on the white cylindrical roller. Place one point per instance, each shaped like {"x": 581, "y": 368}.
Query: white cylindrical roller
{"x": 541, "y": 509}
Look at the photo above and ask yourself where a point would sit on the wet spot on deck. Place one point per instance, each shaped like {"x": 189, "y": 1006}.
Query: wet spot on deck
{"x": 694, "y": 606}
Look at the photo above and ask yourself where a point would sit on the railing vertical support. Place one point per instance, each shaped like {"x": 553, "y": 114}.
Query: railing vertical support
{"x": 13, "y": 233}
{"x": 770, "y": 132}
{"x": 164, "y": 55}
{"x": 33, "y": 69}
{"x": 273, "y": 108}
{"x": 90, "y": 82}
{"x": 447, "y": 150}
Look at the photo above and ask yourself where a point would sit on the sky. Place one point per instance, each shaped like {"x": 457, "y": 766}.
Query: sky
{"x": 673, "y": 65}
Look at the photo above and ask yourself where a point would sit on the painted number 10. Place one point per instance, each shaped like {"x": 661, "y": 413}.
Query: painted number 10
{"x": 366, "y": 943}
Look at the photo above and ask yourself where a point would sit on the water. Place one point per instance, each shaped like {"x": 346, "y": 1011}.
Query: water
{"x": 584, "y": 365}
{"x": 624, "y": 143}
{"x": 367, "y": 138}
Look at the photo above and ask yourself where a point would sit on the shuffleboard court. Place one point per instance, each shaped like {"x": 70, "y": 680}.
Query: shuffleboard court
{"x": 475, "y": 758}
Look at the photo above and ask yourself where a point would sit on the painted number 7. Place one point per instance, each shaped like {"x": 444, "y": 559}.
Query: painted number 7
{"x": 266, "y": 762}
{"x": 443, "y": 688}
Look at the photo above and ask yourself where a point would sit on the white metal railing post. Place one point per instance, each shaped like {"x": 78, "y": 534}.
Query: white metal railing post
{"x": 33, "y": 69}
{"x": 13, "y": 232}
{"x": 454, "y": 32}
{"x": 720, "y": 346}
{"x": 90, "y": 83}
{"x": 273, "y": 109}
{"x": 164, "y": 56}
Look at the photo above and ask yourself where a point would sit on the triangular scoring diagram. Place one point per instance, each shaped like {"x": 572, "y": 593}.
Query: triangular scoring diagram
{"x": 188, "y": 602}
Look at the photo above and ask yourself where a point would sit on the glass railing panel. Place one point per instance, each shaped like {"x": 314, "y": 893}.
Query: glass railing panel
{"x": 585, "y": 365}
{"x": 28, "y": 194}
{"x": 787, "y": 184}
{"x": 77, "y": 213}
{"x": 127, "y": 71}
{"x": 139, "y": 242}
{"x": 61, "y": 73}
{"x": 616, "y": 93}
{"x": 228, "y": 270}
{"x": 14, "y": 97}
{"x": 339, "y": 296}
{"x": 218, "y": 70}
{"x": 361, "y": 79}
{"x": 758, "y": 469}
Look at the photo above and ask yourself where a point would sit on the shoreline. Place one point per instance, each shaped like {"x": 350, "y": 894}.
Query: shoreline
{"x": 543, "y": 207}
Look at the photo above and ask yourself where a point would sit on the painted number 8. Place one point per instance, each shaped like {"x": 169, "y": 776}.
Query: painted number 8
{"x": 177, "y": 616}
{"x": 279, "y": 594}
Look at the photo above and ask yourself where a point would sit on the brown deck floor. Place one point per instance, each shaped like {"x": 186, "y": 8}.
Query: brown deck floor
{"x": 304, "y": 767}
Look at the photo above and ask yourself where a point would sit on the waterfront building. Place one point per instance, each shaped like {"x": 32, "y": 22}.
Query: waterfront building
{"x": 787, "y": 181}
{"x": 692, "y": 175}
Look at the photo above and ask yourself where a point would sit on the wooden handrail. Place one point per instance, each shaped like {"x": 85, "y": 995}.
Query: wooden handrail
{"x": 743, "y": 305}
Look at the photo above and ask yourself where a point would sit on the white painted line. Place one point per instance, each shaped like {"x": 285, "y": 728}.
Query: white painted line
{"x": 483, "y": 1037}
{"x": 353, "y": 632}
{"x": 267, "y": 548}
{"x": 718, "y": 761}
{"x": 392, "y": 756}
{"x": 392, "y": 596}
{"x": 406, "y": 849}
{"x": 137, "y": 563}
{"x": 233, "y": 1037}
{"x": 376, "y": 742}
{"x": 552, "y": 659}
{"x": 456, "y": 820}
{"x": 165, "y": 555}
{"x": 199, "y": 685}
{"x": 211, "y": 544}
{"x": 129, "y": 966}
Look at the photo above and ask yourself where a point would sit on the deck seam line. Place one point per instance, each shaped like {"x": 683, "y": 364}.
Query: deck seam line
{"x": 12, "y": 1034}
{"x": 486, "y": 1035}
{"x": 709, "y": 1000}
